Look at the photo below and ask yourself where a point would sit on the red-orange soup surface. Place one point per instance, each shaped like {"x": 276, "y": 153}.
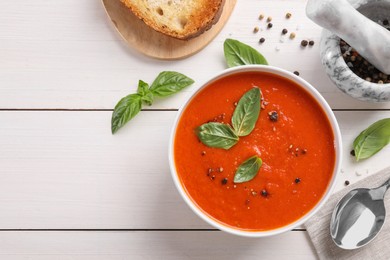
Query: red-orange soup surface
{"x": 297, "y": 151}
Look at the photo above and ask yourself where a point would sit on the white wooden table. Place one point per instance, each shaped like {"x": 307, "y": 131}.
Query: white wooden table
{"x": 71, "y": 190}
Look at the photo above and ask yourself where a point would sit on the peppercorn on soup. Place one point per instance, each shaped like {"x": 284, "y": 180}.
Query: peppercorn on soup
{"x": 254, "y": 151}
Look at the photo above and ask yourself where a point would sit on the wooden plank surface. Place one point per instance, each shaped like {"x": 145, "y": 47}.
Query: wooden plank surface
{"x": 64, "y": 170}
{"x": 67, "y": 55}
{"x": 151, "y": 245}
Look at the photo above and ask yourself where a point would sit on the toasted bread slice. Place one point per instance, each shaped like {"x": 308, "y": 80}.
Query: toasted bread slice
{"x": 181, "y": 19}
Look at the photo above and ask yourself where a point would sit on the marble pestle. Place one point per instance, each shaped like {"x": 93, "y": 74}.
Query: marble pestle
{"x": 368, "y": 38}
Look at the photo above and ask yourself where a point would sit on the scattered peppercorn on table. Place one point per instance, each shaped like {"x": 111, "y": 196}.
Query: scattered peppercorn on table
{"x": 69, "y": 189}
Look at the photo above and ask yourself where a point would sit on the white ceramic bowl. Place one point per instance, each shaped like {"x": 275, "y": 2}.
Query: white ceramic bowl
{"x": 337, "y": 142}
{"x": 336, "y": 68}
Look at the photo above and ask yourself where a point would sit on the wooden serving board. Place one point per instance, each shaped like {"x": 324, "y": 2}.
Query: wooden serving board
{"x": 157, "y": 45}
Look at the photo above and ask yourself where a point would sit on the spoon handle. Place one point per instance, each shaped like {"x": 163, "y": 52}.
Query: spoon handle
{"x": 386, "y": 184}
{"x": 381, "y": 190}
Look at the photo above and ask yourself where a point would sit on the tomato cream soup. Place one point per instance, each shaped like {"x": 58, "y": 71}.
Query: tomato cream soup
{"x": 292, "y": 136}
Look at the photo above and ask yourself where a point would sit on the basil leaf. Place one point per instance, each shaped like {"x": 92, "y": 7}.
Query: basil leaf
{"x": 146, "y": 95}
{"x": 372, "y": 140}
{"x": 124, "y": 111}
{"x": 148, "y": 98}
{"x": 168, "y": 83}
{"x": 217, "y": 135}
{"x": 143, "y": 87}
{"x": 247, "y": 112}
{"x": 248, "y": 170}
{"x": 238, "y": 53}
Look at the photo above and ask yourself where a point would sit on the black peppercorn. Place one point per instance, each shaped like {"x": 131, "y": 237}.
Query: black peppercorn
{"x": 346, "y": 183}
{"x": 224, "y": 181}
{"x": 284, "y": 31}
{"x": 311, "y": 43}
{"x": 273, "y": 116}
{"x": 297, "y": 180}
{"x": 262, "y": 40}
{"x": 352, "y": 152}
{"x": 360, "y": 66}
{"x": 304, "y": 43}
{"x": 296, "y": 73}
{"x": 264, "y": 193}
{"x": 269, "y": 25}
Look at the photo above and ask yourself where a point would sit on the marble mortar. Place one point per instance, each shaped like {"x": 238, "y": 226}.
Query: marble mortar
{"x": 337, "y": 69}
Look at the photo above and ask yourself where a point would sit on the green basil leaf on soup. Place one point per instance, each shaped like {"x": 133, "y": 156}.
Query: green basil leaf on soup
{"x": 248, "y": 170}
{"x": 247, "y": 112}
{"x": 217, "y": 135}
{"x": 372, "y": 140}
{"x": 124, "y": 111}
{"x": 238, "y": 53}
{"x": 168, "y": 83}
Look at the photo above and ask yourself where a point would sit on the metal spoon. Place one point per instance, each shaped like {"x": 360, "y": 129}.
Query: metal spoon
{"x": 358, "y": 217}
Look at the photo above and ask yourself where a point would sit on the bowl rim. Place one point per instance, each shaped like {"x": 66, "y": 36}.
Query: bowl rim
{"x": 337, "y": 143}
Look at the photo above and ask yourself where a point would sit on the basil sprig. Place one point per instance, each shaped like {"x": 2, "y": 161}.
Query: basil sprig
{"x": 166, "y": 83}
{"x": 248, "y": 170}
{"x": 238, "y": 53}
{"x": 372, "y": 140}
{"x": 243, "y": 121}
{"x": 217, "y": 135}
{"x": 247, "y": 112}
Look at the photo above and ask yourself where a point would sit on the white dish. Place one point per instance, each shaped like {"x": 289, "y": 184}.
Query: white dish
{"x": 338, "y": 147}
